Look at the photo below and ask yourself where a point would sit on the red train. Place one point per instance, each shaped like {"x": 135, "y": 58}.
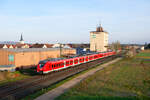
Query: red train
{"x": 49, "y": 65}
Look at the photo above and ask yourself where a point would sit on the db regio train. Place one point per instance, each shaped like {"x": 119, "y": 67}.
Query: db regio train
{"x": 54, "y": 64}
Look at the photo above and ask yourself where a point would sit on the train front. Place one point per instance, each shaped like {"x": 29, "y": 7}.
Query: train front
{"x": 40, "y": 66}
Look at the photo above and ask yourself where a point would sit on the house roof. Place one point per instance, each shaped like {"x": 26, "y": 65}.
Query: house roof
{"x": 37, "y": 46}
{"x": 8, "y": 45}
{"x": 2, "y": 45}
{"x": 34, "y": 49}
{"x": 20, "y": 45}
{"x": 79, "y": 45}
{"x": 49, "y": 45}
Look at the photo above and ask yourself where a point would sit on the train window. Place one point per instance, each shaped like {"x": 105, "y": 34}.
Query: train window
{"x": 76, "y": 61}
{"x": 67, "y": 62}
{"x": 80, "y": 60}
{"x": 55, "y": 65}
{"x": 62, "y": 64}
{"x": 86, "y": 58}
{"x": 71, "y": 62}
{"x": 90, "y": 58}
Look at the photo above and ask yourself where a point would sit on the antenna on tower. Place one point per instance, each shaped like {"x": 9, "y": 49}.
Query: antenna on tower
{"x": 100, "y": 24}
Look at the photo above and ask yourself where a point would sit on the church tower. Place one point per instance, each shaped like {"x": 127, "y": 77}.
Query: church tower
{"x": 21, "y": 40}
{"x": 98, "y": 40}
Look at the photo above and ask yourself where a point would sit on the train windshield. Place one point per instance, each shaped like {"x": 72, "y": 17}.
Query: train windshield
{"x": 41, "y": 64}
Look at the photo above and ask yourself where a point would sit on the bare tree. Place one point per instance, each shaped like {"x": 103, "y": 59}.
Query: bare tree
{"x": 115, "y": 46}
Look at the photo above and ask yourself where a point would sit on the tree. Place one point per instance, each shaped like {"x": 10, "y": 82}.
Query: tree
{"x": 115, "y": 46}
{"x": 147, "y": 46}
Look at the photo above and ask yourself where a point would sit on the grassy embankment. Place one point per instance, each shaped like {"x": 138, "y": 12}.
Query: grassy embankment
{"x": 128, "y": 79}
{"x": 6, "y": 77}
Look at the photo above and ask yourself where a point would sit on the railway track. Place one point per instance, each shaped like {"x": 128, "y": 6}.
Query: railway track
{"x": 20, "y": 89}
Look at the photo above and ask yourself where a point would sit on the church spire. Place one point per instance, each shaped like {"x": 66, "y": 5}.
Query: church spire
{"x": 21, "y": 40}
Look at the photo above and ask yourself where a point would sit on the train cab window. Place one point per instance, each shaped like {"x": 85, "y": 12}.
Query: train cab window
{"x": 41, "y": 64}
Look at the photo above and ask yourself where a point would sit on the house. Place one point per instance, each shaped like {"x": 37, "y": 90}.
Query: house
{"x": 57, "y": 45}
{"x": 3, "y": 46}
{"x": 142, "y": 48}
{"x": 22, "y": 46}
{"x": 67, "y": 46}
{"x": 38, "y": 46}
{"x": 14, "y": 46}
{"x": 10, "y": 46}
{"x": 49, "y": 45}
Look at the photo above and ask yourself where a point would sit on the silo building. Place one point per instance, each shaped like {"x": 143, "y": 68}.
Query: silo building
{"x": 98, "y": 40}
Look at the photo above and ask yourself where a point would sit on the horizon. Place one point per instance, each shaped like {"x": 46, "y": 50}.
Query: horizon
{"x": 68, "y": 21}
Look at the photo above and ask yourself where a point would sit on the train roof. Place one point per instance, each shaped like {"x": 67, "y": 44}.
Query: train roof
{"x": 52, "y": 59}
{"x": 58, "y": 59}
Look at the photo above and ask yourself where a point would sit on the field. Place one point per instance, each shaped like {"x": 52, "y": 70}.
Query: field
{"x": 144, "y": 54}
{"x": 128, "y": 79}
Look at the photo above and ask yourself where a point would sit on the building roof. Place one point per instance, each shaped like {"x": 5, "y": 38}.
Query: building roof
{"x": 34, "y": 49}
{"x": 37, "y": 46}
{"x": 49, "y": 45}
{"x": 99, "y": 29}
{"x": 79, "y": 45}
{"x": 2, "y": 45}
{"x": 20, "y": 45}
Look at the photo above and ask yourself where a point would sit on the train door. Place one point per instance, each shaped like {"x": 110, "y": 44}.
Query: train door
{"x": 71, "y": 62}
{"x": 67, "y": 63}
{"x": 86, "y": 58}
{"x": 75, "y": 61}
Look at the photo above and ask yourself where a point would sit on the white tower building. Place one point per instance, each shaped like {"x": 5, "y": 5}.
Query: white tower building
{"x": 99, "y": 40}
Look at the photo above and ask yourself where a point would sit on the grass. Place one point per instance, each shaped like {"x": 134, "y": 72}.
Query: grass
{"x": 128, "y": 79}
{"x": 7, "y": 77}
{"x": 144, "y": 54}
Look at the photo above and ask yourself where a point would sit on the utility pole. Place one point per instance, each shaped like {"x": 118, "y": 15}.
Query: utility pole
{"x": 95, "y": 48}
{"x": 60, "y": 49}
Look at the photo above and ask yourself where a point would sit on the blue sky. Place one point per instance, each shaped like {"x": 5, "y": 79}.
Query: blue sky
{"x": 70, "y": 21}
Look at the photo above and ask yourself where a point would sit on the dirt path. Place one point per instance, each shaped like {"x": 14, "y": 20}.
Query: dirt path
{"x": 51, "y": 95}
